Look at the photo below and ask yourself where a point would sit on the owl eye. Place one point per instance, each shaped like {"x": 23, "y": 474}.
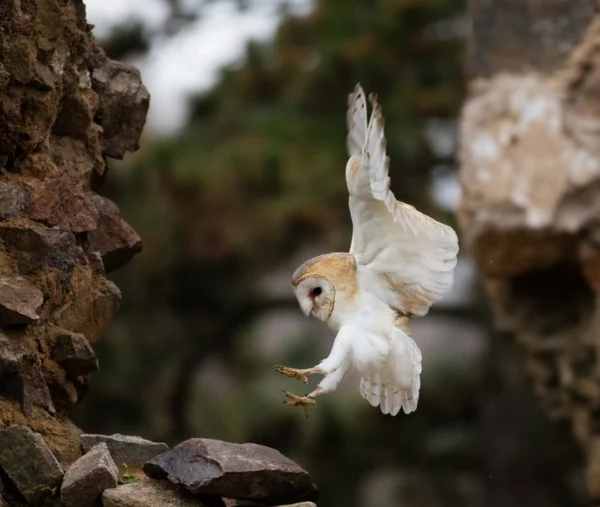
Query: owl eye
{"x": 316, "y": 291}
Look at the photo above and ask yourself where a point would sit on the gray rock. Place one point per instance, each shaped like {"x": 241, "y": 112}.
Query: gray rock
{"x": 124, "y": 103}
{"x": 20, "y": 300}
{"x": 133, "y": 451}
{"x": 88, "y": 477}
{"x": 149, "y": 494}
{"x": 26, "y": 459}
{"x": 74, "y": 353}
{"x": 239, "y": 471}
{"x": 13, "y": 200}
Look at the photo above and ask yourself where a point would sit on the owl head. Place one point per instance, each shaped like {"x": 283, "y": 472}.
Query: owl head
{"x": 323, "y": 283}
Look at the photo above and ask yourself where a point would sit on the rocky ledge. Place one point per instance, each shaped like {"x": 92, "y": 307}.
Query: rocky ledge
{"x": 128, "y": 471}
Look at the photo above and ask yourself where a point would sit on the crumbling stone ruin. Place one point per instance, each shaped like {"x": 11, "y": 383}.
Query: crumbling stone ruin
{"x": 530, "y": 212}
{"x": 64, "y": 108}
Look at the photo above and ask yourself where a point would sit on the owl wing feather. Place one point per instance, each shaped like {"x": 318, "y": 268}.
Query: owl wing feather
{"x": 407, "y": 257}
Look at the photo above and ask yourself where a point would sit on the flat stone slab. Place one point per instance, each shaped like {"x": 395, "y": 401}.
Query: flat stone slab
{"x": 240, "y": 471}
{"x": 89, "y": 477}
{"x": 130, "y": 450}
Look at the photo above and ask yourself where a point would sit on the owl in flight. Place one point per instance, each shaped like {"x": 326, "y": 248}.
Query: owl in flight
{"x": 400, "y": 263}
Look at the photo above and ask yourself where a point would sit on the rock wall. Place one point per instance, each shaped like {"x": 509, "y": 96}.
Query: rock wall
{"x": 64, "y": 107}
{"x": 530, "y": 212}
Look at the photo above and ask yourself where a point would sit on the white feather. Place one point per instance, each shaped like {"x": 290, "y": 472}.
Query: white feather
{"x": 411, "y": 255}
{"x": 404, "y": 264}
{"x": 394, "y": 383}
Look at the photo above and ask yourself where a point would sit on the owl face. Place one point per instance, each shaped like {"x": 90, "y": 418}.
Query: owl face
{"x": 316, "y": 296}
{"x": 326, "y": 286}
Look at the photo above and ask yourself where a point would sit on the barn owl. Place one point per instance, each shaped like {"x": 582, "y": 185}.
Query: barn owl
{"x": 399, "y": 264}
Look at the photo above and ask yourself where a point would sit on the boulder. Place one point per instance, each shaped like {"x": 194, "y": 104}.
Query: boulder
{"x": 149, "y": 494}
{"x": 27, "y": 461}
{"x": 88, "y": 477}
{"x": 131, "y": 450}
{"x": 239, "y": 471}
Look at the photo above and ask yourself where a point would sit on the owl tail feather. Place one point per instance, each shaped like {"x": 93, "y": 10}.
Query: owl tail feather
{"x": 396, "y": 385}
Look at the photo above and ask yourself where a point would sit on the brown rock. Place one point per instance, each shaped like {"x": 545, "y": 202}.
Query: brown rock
{"x": 77, "y": 108}
{"x": 37, "y": 165}
{"x": 50, "y": 150}
{"x": 124, "y": 103}
{"x": 62, "y": 438}
{"x": 56, "y": 204}
{"x": 88, "y": 478}
{"x": 19, "y": 300}
{"x": 34, "y": 245}
{"x": 240, "y": 471}
{"x": 73, "y": 352}
{"x": 21, "y": 379}
{"x": 93, "y": 300}
{"x": 149, "y": 494}
{"x": 114, "y": 239}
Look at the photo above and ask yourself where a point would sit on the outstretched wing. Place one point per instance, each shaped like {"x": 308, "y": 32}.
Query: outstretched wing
{"x": 406, "y": 257}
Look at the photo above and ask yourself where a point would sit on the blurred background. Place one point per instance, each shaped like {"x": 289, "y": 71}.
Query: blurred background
{"x": 239, "y": 179}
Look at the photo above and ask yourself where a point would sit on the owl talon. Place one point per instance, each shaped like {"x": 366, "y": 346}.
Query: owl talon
{"x": 291, "y": 372}
{"x": 299, "y": 401}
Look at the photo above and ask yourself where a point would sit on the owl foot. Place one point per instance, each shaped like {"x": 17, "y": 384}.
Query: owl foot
{"x": 299, "y": 401}
{"x": 292, "y": 373}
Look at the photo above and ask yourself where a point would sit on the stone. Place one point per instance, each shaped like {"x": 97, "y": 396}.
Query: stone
{"x": 90, "y": 304}
{"x": 56, "y": 204}
{"x": 20, "y": 300}
{"x": 114, "y": 238}
{"x": 124, "y": 103}
{"x": 22, "y": 379}
{"x": 34, "y": 245}
{"x": 28, "y": 462}
{"x": 239, "y": 471}
{"x": 88, "y": 477}
{"x": 13, "y": 200}
{"x": 149, "y": 494}
{"x": 74, "y": 353}
{"x": 77, "y": 108}
{"x": 130, "y": 450}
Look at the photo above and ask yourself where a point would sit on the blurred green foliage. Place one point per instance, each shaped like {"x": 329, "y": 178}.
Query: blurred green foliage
{"x": 256, "y": 176}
